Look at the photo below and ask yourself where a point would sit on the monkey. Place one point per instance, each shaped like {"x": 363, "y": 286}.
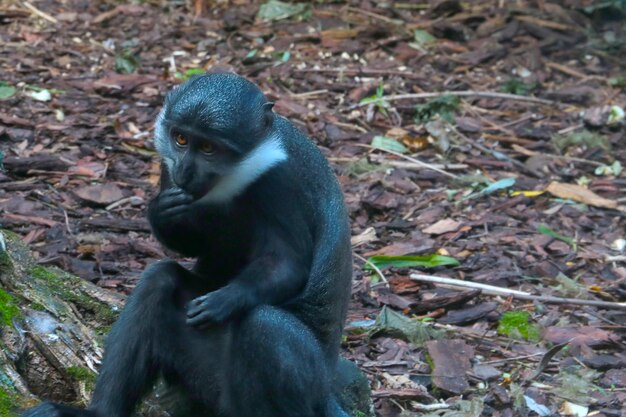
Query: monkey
{"x": 253, "y": 329}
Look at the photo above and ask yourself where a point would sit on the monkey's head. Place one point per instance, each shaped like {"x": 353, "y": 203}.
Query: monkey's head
{"x": 214, "y": 134}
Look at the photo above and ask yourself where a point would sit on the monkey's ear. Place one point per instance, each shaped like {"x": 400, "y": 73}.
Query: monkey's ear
{"x": 268, "y": 114}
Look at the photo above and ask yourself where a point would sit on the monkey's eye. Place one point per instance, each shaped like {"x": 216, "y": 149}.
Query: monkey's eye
{"x": 181, "y": 140}
{"x": 207, "y": 148}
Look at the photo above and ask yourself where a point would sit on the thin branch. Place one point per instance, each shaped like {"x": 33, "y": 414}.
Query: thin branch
{"x": 375, "y": 268}
{"x": 414, "y": 167}
{"x": 479, "y": 94}
{"x": 493, "y": 152}
{"x": 308, "y": 94}
{"x": 39, "y": 13}
{"x": 492, "y": 290}
{"x": 376, "y": 16}
{"x": 528, "y": 152}
{"x": 408, "y": 158}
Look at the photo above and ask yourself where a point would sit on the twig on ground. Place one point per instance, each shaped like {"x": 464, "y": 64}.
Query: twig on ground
{"x": 430, "y": 407}
{"x": 566, "y": 70}
{"x": 375, "y": 16}
{"x": 492, "y": 290}
{"x": 408, "y": 158}
{"x": 494, "y": 153}
{"x": 414, "y": 167}
{"x": 571, "y": 129}
{"x": 361, "y": 72}
{"x": 479, "y": 94}
{"x": 39, "y": 13}
{"x": 308, "y": 94}
{"x": 528, "y": 152}
{"x": 376, "y": 269}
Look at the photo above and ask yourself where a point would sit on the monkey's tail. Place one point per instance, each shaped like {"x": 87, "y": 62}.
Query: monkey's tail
{"x": 333, "y": 408}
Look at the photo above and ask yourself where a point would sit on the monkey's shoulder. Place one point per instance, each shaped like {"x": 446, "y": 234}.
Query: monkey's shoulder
{"x": 305, "y": 163}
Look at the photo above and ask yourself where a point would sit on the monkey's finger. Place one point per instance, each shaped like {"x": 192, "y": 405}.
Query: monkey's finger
{"x": 205, "y": 320}
{"x": 174, "y": 201}
{"x": 198, "y": 300}
{"x": 195, "y": 308}
{"x": 175, "y": 211}
{"x": 173, "y": 191}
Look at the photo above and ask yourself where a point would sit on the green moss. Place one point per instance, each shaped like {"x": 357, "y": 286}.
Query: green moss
{"x": 517, "y": 324}
{"x": 7, "y": 402}
{"x": 61, "y": 283}
{"x": 5, "y": 261}
{"x": 39, "y": 272}
{"x": 8, "y": 309}
{"x": 37, "y": 307}
{"x": 82, "y": 374}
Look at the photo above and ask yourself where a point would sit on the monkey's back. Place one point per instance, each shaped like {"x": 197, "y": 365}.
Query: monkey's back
{"x": 324, "y": 300}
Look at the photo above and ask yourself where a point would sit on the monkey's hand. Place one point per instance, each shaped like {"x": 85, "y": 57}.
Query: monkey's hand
{"x": 169, "y": 216}
{"x": 218, "y": 306}
{"x": 170, "y": 207}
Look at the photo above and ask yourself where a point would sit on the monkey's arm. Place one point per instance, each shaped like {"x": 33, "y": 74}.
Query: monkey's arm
{"x": 276, "y": 274}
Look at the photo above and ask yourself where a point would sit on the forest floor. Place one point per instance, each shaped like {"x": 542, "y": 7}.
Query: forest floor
{"x": 519, "y": 181}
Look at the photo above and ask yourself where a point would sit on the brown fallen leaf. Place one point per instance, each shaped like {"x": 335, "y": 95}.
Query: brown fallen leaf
{"x": 122, "y": 83}
{"x": 582, "y": 335}
{"x": 101, "y": 194}
{"x": 581, "y": 194}
{"x": 442, "y": 226}
{"x": 451, "y": 363}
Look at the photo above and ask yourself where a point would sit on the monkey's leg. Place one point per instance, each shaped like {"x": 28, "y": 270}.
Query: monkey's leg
{"x": 145, "y": 340}
{"x": 276, "y": 368}
{"x": 141, "y": 343}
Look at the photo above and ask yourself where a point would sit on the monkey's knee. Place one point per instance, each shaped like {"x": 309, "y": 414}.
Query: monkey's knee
{"x": 284, "y": 354}
{"x": 156, "y": 294}
{"x": 160, "y": 278}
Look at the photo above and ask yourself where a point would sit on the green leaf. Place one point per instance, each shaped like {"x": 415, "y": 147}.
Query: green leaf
{"x": 616, "y": 115}
{"x": 194, "y": 71}
{"x": 614, "y": 169}
{"x": 6, "y": 91}
{"x": 582, "y": 138}
{"x": 278, "y": 10}
{"x": 518, "y": 87}
{"x": 425, "y": 261}
{"x": 126, "y": 62}
{"x": 189, "y": 73}
{"x": 383, "y": 142}
{"x": 251, "y": 54}
{"x": 444, "y": 107}
{"x": 423, "y": 38}
{"x": 395, "y": 324}
{"x": 618, "y": 82}
{"x": 517, "y": 324}
{"x": 543, "y": 229}
{"x": 378, "y": 99}
{"x": 496, "y": 186}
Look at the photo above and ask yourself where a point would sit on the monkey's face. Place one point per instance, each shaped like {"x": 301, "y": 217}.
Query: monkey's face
{"x": 214, "y": 134}
{"x": 197, "y": 162}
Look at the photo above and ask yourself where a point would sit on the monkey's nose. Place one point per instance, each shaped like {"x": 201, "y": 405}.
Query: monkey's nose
{"x": 199, "y": 186}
